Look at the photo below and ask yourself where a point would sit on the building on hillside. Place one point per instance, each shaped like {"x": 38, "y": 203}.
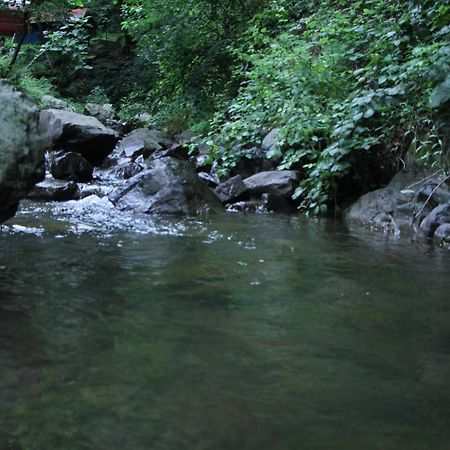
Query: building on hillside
{"x": 12, "y": 24}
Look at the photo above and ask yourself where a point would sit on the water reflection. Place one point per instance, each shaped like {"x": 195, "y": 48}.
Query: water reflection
{"x": 242, "y": 332}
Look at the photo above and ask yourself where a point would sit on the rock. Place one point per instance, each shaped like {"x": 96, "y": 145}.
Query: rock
{"x": 270, "y": 141}
{"x": 22, "y": 145}
{"x": 403, "y": 203}
{"x": 252, "y": 161}
{"x": 266, "y": 204}
{"x": 88, "y": 190}
{"x": 207, "y": 178}
{"x": 104, "y": 113}
{"x": 442, "y": 233}
{"x": 433, "y": 193}
{"x": 142, "y": 141}
{"x": 176, "y": 151}
{"x": 55, "y": 190}
{"x": 73, "y": 132}
{"x": 231, "y": 189}
{"x": 128, "y": 170}
{"x": 55, "y": 103}
{"x": 250, "y": 206}
{"x": 167, "y": 186}
{"x": 280, "y": 182}
{"x": 185, "y": 137}
{"x": 202, "y": 163}
{"x": 439, "y": 216}
{"x": 142, "y": 119}
{"x": 277, "y": 203}
{"x": 71, "y": 166}
{"x": 376, "y": 208}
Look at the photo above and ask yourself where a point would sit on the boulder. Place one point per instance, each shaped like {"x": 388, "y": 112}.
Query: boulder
{"x": 104, "y": 113}
{"x": 73, "y": 132}
{"x": 71, "y": 166}
{"x": 209, "y": 179}
{"x": 280, "y": 182}
{"x": 442, "y": 233}
{"x": 166, "y": 186}
{"x": 270, "y": 141}
{"x": 185, "y": 137}
{"x": 142, "y": 141}
{"x": 52, "y": 190}
{"x": 52, "y": 102}
{"x": 377, "y": 208}
{"x": 176, "y": 151}
{"x": 202, "y": 163}
{"x": 403, "y": 203}
{"x": 439, "y": 216}
{"x": 277, "y": 203}
{"x": 22, "y": 145}
{"x": 252, "y": 161}
{"x": 231, "y": 189}
{"x": 128, "y": 170}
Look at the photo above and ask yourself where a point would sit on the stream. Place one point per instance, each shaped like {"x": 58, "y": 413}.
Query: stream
{"x": 234, "y": 332}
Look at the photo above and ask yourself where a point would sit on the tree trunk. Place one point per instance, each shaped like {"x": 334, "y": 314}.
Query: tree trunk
{"x": 22, "y": 39}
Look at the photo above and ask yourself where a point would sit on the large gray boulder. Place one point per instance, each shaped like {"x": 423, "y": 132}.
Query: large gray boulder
{"x": 231, "y": 189}
{"x": 439, "y": 216}
{"x": 166, "y": 186}
{"x": 279, "y": 182}
{"x": 21, "y": 149}
{"x": 77, "y": 133}
{"x": 270, "y": 141}
{"x": 409, "y": 198}
{"x": 379, "y": 209}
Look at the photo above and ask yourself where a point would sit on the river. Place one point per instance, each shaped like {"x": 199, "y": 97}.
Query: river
{"x": 236, "y": 332}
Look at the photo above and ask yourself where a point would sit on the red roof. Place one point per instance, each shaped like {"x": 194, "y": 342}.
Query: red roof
{"x": 10, "y": 22}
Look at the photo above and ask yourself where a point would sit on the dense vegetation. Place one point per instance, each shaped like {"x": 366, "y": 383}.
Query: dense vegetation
{"x": 354, "y": 87}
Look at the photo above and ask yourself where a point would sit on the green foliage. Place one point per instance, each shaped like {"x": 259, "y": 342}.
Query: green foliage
{"x": 185, "y": 51}
{"x": 67, "y": 49}
{"x": 24, "y": 80}
{"x": 346, "y": 84}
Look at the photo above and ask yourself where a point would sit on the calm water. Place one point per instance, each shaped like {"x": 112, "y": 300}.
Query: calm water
{"x": 236, "y": 333}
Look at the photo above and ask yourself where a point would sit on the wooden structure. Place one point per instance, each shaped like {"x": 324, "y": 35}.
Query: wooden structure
{"x": 11, "y": 18}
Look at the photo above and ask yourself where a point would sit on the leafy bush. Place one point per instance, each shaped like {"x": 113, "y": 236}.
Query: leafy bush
{"x": 349, "y": 86}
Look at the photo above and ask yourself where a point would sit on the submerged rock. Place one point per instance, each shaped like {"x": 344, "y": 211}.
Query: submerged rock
{"x": 73, "y": 132}
{"x": 248, "y": 206}
{"x": 52, "y": 190}
{"x": 277, "y": 203}
{"x": 22, "y": 145}
{"x": 166, "y": 186}
{"x": 71, "y": 166}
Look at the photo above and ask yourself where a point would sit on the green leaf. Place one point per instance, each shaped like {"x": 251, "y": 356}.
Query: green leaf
{"x": 441, "y": 93}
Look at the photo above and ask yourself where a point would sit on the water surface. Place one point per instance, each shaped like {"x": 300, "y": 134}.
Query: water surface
{"x": 238, "y": 332}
